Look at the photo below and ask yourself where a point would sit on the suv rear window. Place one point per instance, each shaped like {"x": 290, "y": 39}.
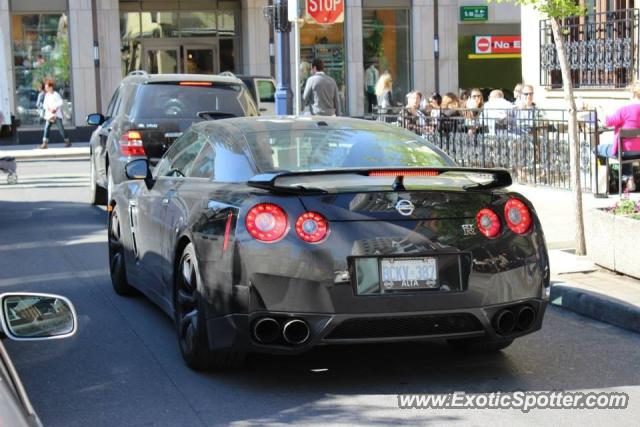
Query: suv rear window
{"x": 170, "y": 101}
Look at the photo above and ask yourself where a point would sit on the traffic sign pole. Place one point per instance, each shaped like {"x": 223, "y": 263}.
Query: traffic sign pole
{"x": 283, "y": 54}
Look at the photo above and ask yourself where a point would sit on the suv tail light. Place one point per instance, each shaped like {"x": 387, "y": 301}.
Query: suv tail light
{"x": 266, "y": 222}
{"x": 131, "y": 144}
{"x": 517, "y": 215}
{"x": 488, "y": 223}
{"x": 312, "y": 227}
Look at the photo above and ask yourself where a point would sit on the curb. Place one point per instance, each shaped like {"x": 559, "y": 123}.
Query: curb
{"x": 55, "y": 153}
{"x": 595, "y": 305}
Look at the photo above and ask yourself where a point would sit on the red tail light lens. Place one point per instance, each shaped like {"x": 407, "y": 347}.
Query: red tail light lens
{"x": 196, "y": 83}
{"x": 488, "y": 223}
{"x": 131, "y": 144}
{"x": 312, "y": 227}
{"x": 517, "y": 215}
{"x": 266, "y": 222}
{"x": 405, "y": 172}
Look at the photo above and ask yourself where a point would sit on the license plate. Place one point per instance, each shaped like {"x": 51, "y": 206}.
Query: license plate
{"x": 408, "y": 273}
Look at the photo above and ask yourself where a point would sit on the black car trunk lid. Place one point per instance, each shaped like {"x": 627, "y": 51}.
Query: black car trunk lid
{"x": 389, "y": 194}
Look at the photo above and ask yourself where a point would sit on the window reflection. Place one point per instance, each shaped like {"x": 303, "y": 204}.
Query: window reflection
{"x": 40, "y": 50}
{"x": 131, "y": 48}
{"x": 159, "y": 24}
{"x": 198, "y": 24}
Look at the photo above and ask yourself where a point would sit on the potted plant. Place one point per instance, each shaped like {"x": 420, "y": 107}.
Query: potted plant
{"x": 613, "y": 235}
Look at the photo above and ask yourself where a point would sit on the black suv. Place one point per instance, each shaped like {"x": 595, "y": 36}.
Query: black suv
{"x": 148, "y": 112}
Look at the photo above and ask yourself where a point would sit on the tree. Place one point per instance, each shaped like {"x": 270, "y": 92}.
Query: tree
{"x": 557, "y": 11}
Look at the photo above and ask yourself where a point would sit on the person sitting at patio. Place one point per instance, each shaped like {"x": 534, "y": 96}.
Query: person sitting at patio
{"x": 626, "y": 117}
{"x": 411, "y": 117}
{"x": 496, "y": 110}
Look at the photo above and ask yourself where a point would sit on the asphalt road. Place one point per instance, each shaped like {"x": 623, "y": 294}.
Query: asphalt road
{"x": 123, "y": 368}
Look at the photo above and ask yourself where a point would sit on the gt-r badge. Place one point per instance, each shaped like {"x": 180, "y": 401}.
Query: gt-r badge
{"x": 405, "y": 207}
{"x": 468, "y": 230}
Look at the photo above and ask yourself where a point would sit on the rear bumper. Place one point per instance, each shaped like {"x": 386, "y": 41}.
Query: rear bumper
{"x": 236, "y": 331}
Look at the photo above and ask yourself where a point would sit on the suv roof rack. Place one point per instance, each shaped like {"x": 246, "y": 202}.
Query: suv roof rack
{"x": 138, "y": 73}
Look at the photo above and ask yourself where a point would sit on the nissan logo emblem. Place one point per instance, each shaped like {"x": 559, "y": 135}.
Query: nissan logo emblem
{"x": 405, "y": 207}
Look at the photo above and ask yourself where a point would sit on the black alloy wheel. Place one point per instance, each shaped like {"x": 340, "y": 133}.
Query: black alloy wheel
{"x": 190, "y": 320}
{"x": 116, "y": 257}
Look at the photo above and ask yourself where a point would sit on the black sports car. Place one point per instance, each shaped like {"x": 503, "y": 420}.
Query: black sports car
{"x": 280, "y": 234}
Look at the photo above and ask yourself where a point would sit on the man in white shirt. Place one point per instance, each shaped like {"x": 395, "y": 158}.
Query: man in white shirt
{"x": 496, "y": 110}
{"x": 52, "y": 105}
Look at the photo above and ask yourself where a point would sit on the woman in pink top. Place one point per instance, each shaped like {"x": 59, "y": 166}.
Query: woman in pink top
{"x": 627, "y": 117}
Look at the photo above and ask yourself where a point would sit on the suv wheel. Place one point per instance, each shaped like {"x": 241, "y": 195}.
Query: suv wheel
{"x": 97, "y": 194}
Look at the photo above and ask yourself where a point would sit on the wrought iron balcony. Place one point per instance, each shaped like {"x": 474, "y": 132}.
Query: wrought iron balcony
{"x": 602, "y": 50}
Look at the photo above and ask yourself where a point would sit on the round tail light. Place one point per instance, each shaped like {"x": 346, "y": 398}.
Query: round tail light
{"x": 488, "y": 223}
{"x": 312, "y": 227}
{"x": 517, "y": 215}
{"x": 266, "y": 222}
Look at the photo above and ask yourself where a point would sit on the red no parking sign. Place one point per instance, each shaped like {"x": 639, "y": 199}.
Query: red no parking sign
{"x": 497, "y": 44}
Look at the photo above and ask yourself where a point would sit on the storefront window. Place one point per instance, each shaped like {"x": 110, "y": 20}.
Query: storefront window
{"x": 199, "y": 42}
{"x": 324, "y": 42}
{"x": 40, "y": 51}
{"x": 386, "y": 48}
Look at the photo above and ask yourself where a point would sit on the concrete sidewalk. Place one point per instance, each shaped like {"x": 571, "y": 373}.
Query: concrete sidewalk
{"x": 55, "y": 151}
{"x": 577, "y": 284}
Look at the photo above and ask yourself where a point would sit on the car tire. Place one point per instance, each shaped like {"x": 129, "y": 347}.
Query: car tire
{"x": 117, "y": 267}
{"x": 191, "y": 325}
{"x": 479, "y": 345}
{"x": 97, "y": 194}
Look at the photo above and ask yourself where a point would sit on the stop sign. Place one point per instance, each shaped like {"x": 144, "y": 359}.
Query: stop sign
{"x": 483, "y": 44}
{"x": 325, "y": 11}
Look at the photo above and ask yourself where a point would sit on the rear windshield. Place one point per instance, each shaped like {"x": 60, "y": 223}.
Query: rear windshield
{"x": 336, "y": 149}
{"x": 169, "y": 101}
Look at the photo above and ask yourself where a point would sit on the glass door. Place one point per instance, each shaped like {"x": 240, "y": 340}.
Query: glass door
{"x": 161, "y": 60}
{"x": 200, "y": 59}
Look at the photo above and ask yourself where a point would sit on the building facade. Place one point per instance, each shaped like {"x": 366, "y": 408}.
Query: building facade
{"x": 87, "y": 46}
{"x": 602, "y": 51}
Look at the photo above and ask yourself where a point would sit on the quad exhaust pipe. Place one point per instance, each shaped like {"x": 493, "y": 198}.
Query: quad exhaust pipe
{"x": 266, "y": 330}
{"x": 295, "y": 331}
{"x": 504, "y": 321}
{"x": 525, "y": 317}
{"x": 514, "y": 319}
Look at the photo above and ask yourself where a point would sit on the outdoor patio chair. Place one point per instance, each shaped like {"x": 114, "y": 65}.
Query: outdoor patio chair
{"x": 623, "y": 156}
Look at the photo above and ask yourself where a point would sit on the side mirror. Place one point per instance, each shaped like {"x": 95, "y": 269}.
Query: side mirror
{"x": 28, "y": 316}
{"x": 137, "y": 169}
{"x": 95, "y": 119}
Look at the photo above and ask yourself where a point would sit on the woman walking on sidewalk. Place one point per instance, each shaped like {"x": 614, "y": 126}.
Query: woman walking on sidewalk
{"x": 52, "y": 113}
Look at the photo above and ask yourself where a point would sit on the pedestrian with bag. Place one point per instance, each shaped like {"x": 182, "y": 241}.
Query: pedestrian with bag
{"x": 52, "y": 105}
{"x": 321, "y": 92}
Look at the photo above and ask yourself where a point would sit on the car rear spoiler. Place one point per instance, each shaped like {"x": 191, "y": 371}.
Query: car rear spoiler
{"x": 500, "y": 178}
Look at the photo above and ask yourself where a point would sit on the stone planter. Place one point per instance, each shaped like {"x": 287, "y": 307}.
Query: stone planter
{"x": 613, "y": 241}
